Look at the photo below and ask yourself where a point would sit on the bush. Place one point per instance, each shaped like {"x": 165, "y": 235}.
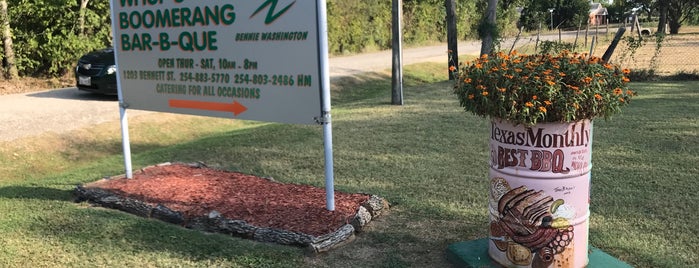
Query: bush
{"x": 553, "y": 47}
{"x": 526, "y": 89}
{"x": 47, "y": 38}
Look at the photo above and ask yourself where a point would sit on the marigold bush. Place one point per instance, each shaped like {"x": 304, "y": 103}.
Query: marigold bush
{"x": 527, "y": 89}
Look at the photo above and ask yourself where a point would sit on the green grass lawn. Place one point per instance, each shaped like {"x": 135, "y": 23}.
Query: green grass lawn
{"x": 428, "y": 158}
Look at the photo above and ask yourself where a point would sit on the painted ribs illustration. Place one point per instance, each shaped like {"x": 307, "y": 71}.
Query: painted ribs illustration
{"x": 526, "y": 227}
{"x": 526, "y": 217}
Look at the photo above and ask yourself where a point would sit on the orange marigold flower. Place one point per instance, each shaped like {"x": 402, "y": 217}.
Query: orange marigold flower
{"x": 542, "y": 109}
{"x": 529, "y": 104}
{"x": 576, "y": 106}
{"x": 467, "y": 80}
{"x": 626, "y": 71}
{"x": 618, "y": 91}
{"x": 484, "y": 56}
{"x": 551, "y": 83}
{"x": 629, "y": 92}
{"x": 481, "y": 87}
{"x": 534, "y": 97}
{"x": 452, "y": 68}
{"x": 478, "y": 66}
{"x": 598, "y": 75}
{"x": 484, "y": 93}
{"x": 518, "y": 70}
{"x": 598, "y": 96}
{"x": 561, "y": 74}
{"x": 547, "y": 102}
{"x": 608, "y": 66}
{"x": 502, "y": 89}
{"x": 625, "y": 79}
{"x": 471, "y": 96}
{"x": 587, "y": 80}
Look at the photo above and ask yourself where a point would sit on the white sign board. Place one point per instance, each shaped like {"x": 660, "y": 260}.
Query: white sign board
{"x": 255, "y": 60}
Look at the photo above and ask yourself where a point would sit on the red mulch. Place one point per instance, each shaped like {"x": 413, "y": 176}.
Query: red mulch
{"x": 260, "y": 202}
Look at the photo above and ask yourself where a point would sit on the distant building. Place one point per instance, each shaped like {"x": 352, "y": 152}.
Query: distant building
{"x": 598, "y": 14}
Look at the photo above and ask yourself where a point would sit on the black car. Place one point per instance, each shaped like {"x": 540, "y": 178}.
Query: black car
{"x": 96, "y": 72}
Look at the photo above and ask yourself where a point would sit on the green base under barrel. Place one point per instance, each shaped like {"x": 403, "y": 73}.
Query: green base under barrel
{"x": 474, "y": 253}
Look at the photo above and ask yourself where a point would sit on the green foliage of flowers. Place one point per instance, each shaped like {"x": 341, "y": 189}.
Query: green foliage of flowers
{"x": 527, "y": 89}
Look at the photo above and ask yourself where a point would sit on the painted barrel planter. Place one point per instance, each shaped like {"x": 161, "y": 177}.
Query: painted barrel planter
{"x": 539, "y": 194}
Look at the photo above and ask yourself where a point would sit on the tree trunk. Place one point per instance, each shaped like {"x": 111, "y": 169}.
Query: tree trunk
{"x": 7, "y": 41}
{"x": 675, "y": 11}
{"x": 674, "y": 27}
{"x": 489, "y": 26}
{"x": 452, "y": 38}
{"x": 662, "y": 22}
{"x": 81, "y": 18}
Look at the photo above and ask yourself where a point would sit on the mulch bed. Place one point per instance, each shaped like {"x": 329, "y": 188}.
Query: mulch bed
{"x": 212, "y": 200}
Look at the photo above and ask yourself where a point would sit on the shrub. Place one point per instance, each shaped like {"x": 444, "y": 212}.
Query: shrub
{"x": 526, "y": 89}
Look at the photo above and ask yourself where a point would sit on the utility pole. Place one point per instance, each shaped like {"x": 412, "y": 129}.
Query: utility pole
{"x": 551, "y": 11}
{"x": 397, "y": 67}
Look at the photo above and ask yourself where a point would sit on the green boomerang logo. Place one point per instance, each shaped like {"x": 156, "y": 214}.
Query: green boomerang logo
{"x": 271, "y": 16}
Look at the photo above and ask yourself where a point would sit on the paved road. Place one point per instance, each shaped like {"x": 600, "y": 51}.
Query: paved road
{"x": 62, "y": 110}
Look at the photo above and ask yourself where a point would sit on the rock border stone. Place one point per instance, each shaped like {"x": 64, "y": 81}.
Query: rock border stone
{"x": 214, "y": 222}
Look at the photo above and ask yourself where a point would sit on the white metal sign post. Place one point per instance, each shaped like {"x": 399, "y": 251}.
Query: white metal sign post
{"x": 264, "y": 60}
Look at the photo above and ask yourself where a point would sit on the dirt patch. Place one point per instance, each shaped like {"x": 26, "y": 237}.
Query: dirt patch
{"x": 262, "y": 209}
{"x": 32, "y": 84}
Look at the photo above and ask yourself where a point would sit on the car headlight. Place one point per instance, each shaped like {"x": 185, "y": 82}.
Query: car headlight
{"x": 111, "y": 69}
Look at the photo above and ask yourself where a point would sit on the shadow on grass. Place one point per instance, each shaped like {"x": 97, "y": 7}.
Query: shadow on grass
{"x": 134, "y": 242}
{"x": 34, "y": 192}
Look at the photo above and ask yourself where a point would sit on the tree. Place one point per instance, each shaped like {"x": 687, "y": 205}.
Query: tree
{"x": 81, "y": 18}
{"x": 7, "y": 41}
{"x": 48, "y": 37}
{"x": 671, "y": 12}
{"x": 488, "y": 28}
{"x": 678, "y": 11}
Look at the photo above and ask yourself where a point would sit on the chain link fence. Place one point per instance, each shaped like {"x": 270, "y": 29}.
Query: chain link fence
{"x": 671, "y": 55}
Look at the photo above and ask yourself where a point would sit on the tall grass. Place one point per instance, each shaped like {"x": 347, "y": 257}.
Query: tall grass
{"x": 427, "y": 157}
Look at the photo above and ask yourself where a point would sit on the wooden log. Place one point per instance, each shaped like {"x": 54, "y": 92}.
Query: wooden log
{"x": 330, "y": 241}
{"x": 362, "y": 218}
{"x": 271, "y": 235}
{"x": 376, "y": 205}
